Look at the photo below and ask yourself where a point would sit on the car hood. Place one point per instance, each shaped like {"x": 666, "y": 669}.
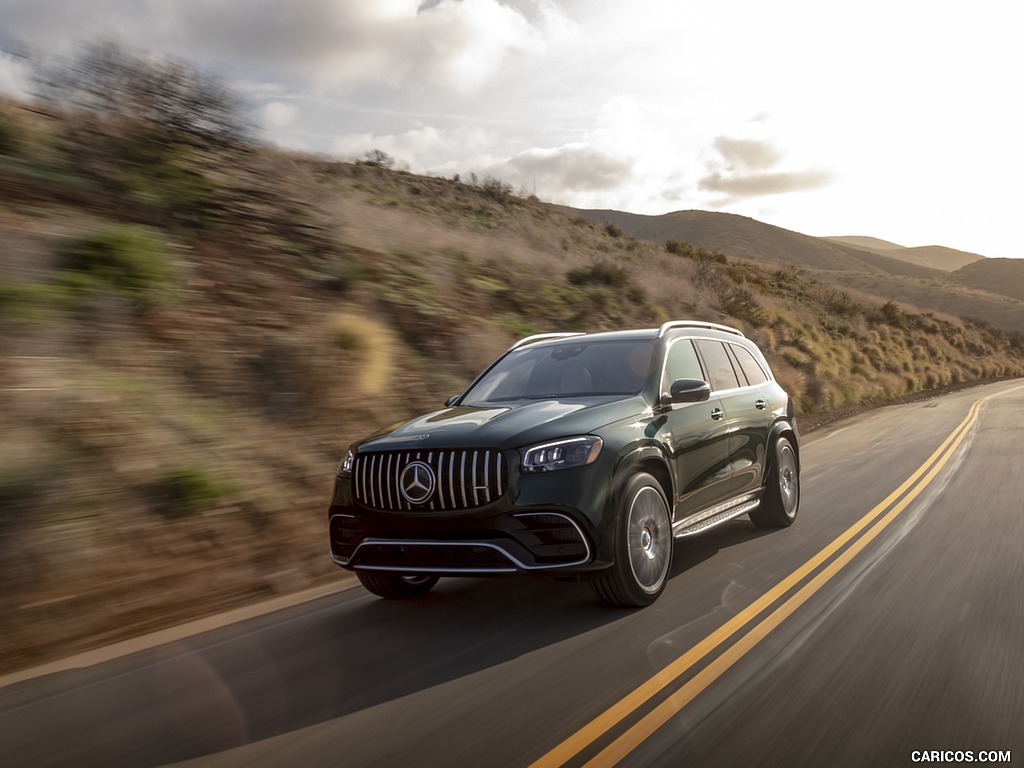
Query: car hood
{"x": 509, "y": 426}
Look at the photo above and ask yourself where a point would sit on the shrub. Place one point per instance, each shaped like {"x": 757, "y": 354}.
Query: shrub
{"x": 378, "y": 158}
{"x": 187, "y": 491}
{"x": 599, "y": 274}
{"x": 8, "y": 135}
{"x": 126, "y": 259}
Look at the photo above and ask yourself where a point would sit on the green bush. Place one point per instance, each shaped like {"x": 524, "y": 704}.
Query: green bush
{"x": 8, "y": 136}
{"x": 599, "y": 274}
{"x": 187, "y": 491}
{"x": 122, "y": 258}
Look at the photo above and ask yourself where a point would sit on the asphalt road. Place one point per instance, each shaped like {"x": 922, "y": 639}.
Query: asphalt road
{"x": 888, "y": 620}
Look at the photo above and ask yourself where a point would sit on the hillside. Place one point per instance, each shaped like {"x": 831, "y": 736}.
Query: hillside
{"x": 1003, "y": 276}
{"x": 192, "y": 331}
{"x": 920, "y": 277}
{"x": 738, "y": 236}
{"x": 867, "y": 243}
{"x": 930, "y": 256}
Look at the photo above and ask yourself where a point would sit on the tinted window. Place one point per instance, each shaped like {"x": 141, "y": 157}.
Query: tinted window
{"x": 681, "y": 363}
{"x": 751, "y": 368}
{"x": 569, "y": 369}
{"x": 720, "y": 372}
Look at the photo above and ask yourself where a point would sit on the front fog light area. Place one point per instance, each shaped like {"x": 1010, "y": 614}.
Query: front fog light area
{"x": 574, "y": 452}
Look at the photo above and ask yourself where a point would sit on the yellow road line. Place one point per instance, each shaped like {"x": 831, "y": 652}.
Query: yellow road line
{"x": 633, "y": 701}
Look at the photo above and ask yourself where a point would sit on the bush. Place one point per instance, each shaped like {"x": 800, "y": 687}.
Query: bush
{"x": 599, "y": 274}
{"x": 126, "y": 259}
{"x": 8, "y": 136}
{"x": 187, "y": 491}
{"x": 165, "y": 94}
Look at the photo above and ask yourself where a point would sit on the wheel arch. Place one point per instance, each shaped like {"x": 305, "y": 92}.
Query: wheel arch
{"x": 649, "y": 459}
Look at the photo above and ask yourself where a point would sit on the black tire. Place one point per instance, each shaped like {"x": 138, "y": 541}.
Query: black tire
{"x": 643, "y": 546}
{"x": 781, "y": 498}
{"x": 395, "y": 586}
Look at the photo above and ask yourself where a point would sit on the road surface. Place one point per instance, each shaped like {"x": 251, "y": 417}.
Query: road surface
{"x": 886, "y": 622}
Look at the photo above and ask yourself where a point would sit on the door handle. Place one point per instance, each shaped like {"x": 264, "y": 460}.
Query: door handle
{"x": 760, "y": 404}
{"x": 717, "y": 414}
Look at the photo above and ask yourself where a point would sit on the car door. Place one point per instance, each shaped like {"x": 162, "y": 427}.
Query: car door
{"x": 697, "y": 438}
{"x": 739, "y": 401}
{"x": 751, "y": 416}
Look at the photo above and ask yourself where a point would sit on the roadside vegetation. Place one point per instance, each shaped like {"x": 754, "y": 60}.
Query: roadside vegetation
{"x": 193, "y": 327}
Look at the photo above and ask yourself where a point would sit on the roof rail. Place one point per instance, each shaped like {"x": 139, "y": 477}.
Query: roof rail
{"x": 542, "y": 337}
{"x": 666, "y": 327}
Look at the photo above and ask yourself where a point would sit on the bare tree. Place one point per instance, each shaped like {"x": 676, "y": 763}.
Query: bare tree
{"x": 111, "y": 80}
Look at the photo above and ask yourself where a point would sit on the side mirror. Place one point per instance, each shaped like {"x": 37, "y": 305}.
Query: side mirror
{"x": 451, "y": 400}
{"x": 687, "y": 391}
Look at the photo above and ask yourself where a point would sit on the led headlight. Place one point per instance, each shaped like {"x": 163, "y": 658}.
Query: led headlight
{"x": 345, "y": 467}
{"x": 562, "y": 454}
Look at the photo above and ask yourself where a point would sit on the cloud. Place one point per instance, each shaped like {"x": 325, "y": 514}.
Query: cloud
{"x": 747, "y": 168}
{"x": 278, "y": 114}
{"x": 424, "y": 148}
{"x": 744, "y": 155}
{"x": 448, "y": 44}
{"x": 569, "y": 169}
{"x": 761, "y": 184}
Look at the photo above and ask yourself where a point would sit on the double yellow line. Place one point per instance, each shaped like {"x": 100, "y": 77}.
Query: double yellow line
{"x": 881, "y": 516}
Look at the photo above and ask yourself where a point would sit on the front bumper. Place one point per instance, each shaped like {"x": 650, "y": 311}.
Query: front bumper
{"x": 547, "y": 522}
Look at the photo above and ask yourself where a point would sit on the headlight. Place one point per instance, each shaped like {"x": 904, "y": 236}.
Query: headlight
{"x": 345, "y": 467}
{"x": 562, "y": 454}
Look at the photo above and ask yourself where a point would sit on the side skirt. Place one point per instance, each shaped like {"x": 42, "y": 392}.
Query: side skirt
{"x": 710, "y": 518}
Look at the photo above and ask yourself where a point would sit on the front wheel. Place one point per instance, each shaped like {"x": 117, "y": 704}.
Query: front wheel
{"x": 643, "y": 546}
{"x": 782, "y": 490}
{"x": 393, "y": 586}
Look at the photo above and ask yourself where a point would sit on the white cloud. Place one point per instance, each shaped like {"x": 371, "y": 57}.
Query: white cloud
{"x": 278, "y": 114}
{"x": 424, "y": 148}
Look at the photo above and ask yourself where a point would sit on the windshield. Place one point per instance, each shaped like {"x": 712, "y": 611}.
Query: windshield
{"x": 571, "y": 369}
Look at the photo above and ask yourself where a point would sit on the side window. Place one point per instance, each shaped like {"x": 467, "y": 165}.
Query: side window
{"x": 681, "y": 363}
{"x": 720, "y": 371}
{"x": 751, "y": 368}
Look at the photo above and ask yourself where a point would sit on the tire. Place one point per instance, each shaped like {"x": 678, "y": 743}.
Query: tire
{"x": 394, "y": 586}
{"x": 643, "y": 546}
{"x": 781, "y": 498}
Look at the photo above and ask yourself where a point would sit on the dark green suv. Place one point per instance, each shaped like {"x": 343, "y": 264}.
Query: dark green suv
{"x": 579, "y": 455}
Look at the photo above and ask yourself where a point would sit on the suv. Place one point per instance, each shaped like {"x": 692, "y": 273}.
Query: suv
{"x": 581, "y": 455}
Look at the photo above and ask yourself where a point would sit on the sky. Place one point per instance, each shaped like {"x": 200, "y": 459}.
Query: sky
{"x": 896, "y": 119}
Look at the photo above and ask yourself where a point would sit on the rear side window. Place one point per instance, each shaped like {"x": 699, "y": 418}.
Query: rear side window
{"x": 748, "y": 363}
{"x": 720, "y": 372}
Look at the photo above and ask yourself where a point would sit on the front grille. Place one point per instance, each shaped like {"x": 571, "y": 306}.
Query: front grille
{"x": 458, "y": 479}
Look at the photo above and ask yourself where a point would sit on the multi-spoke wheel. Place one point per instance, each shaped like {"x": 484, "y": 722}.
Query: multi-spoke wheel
{"x": 395, "y": 586}
{"x": 643, "y": 546}
{"x": 782, "y": 489}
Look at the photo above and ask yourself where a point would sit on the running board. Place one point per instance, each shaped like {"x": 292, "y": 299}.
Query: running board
{"x": 717, "y": 519}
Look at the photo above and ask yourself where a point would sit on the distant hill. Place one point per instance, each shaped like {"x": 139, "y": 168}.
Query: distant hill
{"x": 736, "y": 236}
{"x": 931, "y": 256}
{"x": 1003, "y": 276}
{"x": 930, "y": 277}
{"x": 858, "y": 241}
{"x": 746, "y": 238}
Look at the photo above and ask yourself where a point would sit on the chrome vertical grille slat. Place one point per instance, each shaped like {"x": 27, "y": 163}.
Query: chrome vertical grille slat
{"x": 463, "y": 478}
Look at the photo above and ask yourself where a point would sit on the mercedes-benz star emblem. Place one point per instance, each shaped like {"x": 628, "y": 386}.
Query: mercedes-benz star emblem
{"x": 416, "y": 482}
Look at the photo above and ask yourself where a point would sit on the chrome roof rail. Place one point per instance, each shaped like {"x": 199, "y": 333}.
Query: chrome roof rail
{"x": 666, "y": 327}
{"x": 542, "y": 337}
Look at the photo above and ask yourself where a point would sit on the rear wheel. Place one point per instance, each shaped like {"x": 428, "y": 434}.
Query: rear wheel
{"x": 782, "y": 490}
{"x": 394, "y": 586}
{"x": 643, "y": 546}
